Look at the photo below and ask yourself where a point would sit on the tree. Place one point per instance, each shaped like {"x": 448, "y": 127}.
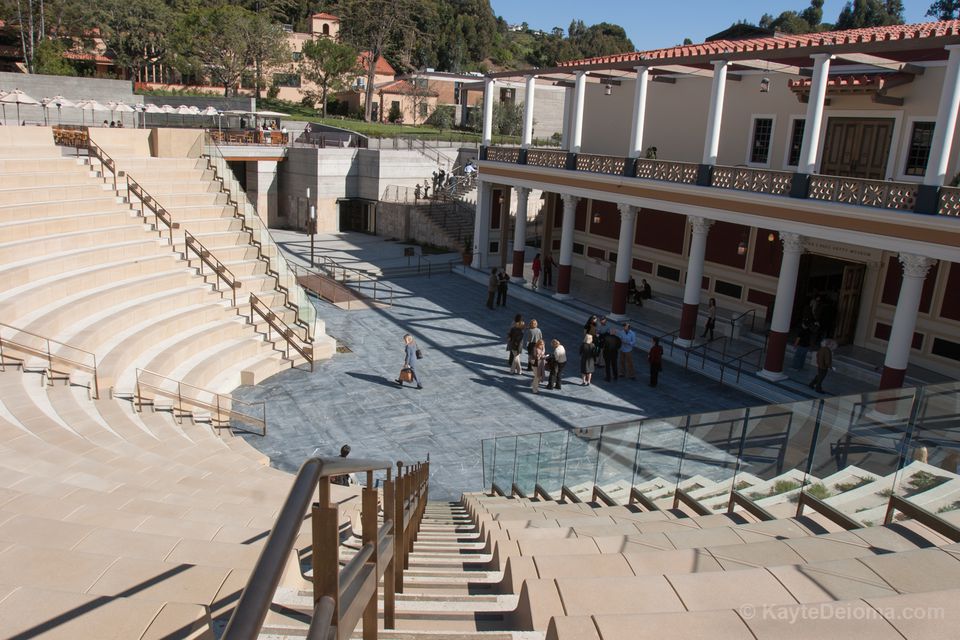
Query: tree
{"x": 327, "y": 63}
{"x": 859, "y": 14}
{"x": 49, "y": 60}
{"x": 375, "y": 26}
{"x": 134, "y": 31}
{"x": 267, "y": 46}
{"x": 944, "y": 9}
{"x": 215, "y": 41}
{"x": 420, "y": 95}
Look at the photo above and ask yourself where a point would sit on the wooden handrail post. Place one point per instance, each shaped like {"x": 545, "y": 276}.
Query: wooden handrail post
{"x": 399, "y": 532}
{"x": 325, "y": 556}
{"x": 389, "y": 574}
{"x": 368, "y": 519}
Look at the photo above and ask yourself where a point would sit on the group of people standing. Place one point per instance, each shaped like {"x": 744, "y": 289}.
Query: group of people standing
{"x": 602, "y": 346}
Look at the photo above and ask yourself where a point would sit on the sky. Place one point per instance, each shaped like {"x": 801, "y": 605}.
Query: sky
{"x": 651, "y": 24}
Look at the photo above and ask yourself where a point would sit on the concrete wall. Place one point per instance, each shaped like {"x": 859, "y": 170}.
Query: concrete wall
{"x": 176, "y": 143}
{"x": 26, "y": 136}
{"x": 332, "y": 174}
{"x": 73, "y": 89}
{"x": 677, "y": 115}
{"x": 408, "y": 222}
{"x": 119, "y": 143}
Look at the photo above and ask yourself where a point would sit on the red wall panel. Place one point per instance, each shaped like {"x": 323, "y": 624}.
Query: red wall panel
{"x": 661, "y": 230}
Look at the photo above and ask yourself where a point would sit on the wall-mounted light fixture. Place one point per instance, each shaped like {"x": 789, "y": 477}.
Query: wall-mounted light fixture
{"x": 742, "y": 248}
{"x": 596, "y": 217}
{"x": 771, "y": 237}
{"x": 765, "y": 85}
{"x": 608, "y": 89}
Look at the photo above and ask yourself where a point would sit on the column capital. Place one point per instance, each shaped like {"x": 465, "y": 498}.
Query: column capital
{"x": 640, "y": 68}
{"x": 822, "y": 56}
{"x": 915, "y": 266}
{"x": 523, "y": 192}
{"x": 569, "y": 200}
{"x": 627, "y": 210}
{"x": 719, "y": 64}
{"x": 792, "y": 242}
{"x": 700, "y": 225}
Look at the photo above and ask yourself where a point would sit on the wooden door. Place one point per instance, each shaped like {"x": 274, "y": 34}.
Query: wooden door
{"x": 857, "y": 147}
{"x": 848, "y": 303}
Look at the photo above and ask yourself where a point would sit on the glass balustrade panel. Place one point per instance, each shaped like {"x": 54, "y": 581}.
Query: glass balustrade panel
{"x": 525, "y": 471}
{"x": 580, "y": 460}
{"x": 709, "y": 463}
{"x": 551, "y": 460}
{"x": 504, "y": 462}
{"x": 659, "y": 454}
{"x": 617, "y": 456}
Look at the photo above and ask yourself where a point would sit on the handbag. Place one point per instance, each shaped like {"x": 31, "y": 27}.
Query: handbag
{"x": 406, "y": 374}
{"x": 419, "y": 354}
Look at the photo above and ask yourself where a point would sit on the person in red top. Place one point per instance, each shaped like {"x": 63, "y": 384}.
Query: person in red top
{"x": 536, "y": 271}
{"x": 655, "y": 358}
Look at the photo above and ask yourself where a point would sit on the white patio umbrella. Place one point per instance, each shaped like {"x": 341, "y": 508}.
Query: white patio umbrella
{"x": 18, "y": 98}
{"x": 212, "y": 112}
{"x": 184, "y": 110}
{"x": 120, "y": 107}
{"x": 91, "y": 106}
{"x": 59, "y": 102}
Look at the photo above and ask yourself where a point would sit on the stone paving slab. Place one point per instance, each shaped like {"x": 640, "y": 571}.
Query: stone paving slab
{"x": 469, "y": 393}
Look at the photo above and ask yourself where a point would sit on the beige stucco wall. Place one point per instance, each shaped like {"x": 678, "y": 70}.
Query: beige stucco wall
{"x": 25, "y": 136}
{"x": 176, "y": 143}
{"x": 122, "y": 142}
{"x": 677, "y": 113}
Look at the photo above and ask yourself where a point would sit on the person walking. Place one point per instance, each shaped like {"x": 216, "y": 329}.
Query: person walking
{"x": 502, "y": 281}
{"x": 410, "y": 356}
{"x": 588, "y": 359}
{"x": 611, "y": 351}
{"x": 590, "y": 327}
{"x": 515, "y": 344}
{"x": 711, "y": 319}
{"x": 603, "y": 330}
{"x": 655, "y": 358}
{"x": 558, "y": 360}
{"x": 548, "y": 271}
{"x": 492, "y": 284}
{"x": 646, "y": 291}
{"x": 536, "y": 272}
{"x": 534, "y": 335}
{"x": 824, "y": 362}
{"x": 539, "y": 357}
{"x": 801, "y": 346}
{"x": 627, "y": 342}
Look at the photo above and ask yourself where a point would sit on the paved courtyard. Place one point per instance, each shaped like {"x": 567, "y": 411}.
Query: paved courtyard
{"x": 469, "y": 393}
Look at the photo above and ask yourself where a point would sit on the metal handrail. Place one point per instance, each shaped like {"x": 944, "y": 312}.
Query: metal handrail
{"x": 751, "y": 507}
{"x": 328, "y": 264}
{"x": 925, "y": 517}
{"x": 48, "y": 354}
{"x": 679, "y": 495}
{"x": 206, "y": 258}
{"x": 739, "y": 360}
{"x": 223, "y": 405}
{"x": 290, "y": 336}
{"x": 341, "y": 596}
{"x": 830, "y": 512}
{"x": 706, "y": 347}
{"x": 749, "y": 312}
{"x": 96, "y": 151}
{"x": 148, "y": 201}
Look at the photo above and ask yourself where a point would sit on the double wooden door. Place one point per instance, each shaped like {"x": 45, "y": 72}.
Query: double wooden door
{"x": 857, "y": 147}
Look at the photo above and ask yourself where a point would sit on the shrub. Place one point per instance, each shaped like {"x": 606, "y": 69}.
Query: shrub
{"x": 442, "y": 117}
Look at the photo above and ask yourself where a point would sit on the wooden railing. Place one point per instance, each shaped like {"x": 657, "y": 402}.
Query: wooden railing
{"x": 224, "y": 409}
{"x": 19, "y": 345}
{"x": 219, "y": 269}
{"x": 276, "y": 323}
{"x": 341, "y": 597}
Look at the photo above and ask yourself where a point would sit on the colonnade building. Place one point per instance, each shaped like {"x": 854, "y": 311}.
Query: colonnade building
{"x": 763, "y": 172}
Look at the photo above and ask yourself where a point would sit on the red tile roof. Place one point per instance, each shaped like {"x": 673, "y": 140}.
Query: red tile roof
{"x": 325, "y": 16}
{"x": 784, "y": 41}
{"x": 383, "y": 67}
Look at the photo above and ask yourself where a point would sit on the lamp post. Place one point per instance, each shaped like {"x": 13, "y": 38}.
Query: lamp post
{"x": 313, "y": 232}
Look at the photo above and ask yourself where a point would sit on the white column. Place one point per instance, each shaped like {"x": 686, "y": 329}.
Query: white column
{"x": 520, "y": 233}
{"x": 576, "y": 128}
{"x": 628, "y": 218}
{"x": 699, "y": 227}
{"x": 567, "y": 109}
{"x": 905, "y": 317}
{"x": 528, "y": 96}
{"x": 566, "y": 245}
{"x": 488, "y": 98}
{"x": 711, "y": 144}
{"x": 639, "y": 112}
{"x": 481, "y": 225}
{"x": 809, "y": 147}
{"x": 783, "y": 305}
{"x": 946, "y": 124}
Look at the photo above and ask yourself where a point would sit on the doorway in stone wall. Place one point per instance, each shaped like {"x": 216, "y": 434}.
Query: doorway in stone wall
{"x": 836, "y": 286}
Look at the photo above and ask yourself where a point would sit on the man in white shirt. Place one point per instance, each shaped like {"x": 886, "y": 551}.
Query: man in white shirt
{"x": 557, "y": 362}
{"x": 628, "y": 340}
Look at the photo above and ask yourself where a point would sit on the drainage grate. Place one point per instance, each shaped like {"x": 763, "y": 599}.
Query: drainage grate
{"x": 342, "y": 348}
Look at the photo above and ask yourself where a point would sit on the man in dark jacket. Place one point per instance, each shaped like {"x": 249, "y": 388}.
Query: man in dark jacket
{"x": 492, "y": 285}
{"x": 824, "y": 362}
{"x": 611, "y": 350}
{"x": 655, "y": 358}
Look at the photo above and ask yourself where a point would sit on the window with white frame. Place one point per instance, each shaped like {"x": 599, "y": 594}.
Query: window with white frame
{"x": 796, "y": 142}
{"x": 760, "y": 141}
{"x": 918, "y": 152}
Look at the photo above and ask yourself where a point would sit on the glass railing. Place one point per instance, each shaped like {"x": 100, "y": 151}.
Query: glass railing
{"x": 850, "y": 453}
{"x": 286, "y": 277}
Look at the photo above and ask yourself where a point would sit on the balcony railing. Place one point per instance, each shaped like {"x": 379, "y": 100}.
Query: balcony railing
{"x": 880, "y": 194}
